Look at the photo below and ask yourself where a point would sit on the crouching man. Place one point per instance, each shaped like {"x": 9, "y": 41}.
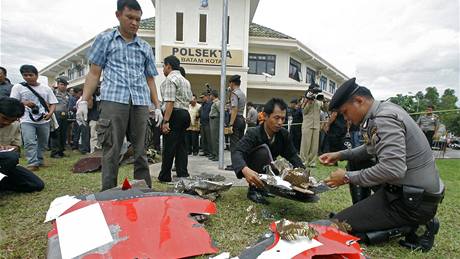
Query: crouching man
{"x": 17, "y": 178}
{"x": 411, "y": 188}
{"x": 260, "y": 145}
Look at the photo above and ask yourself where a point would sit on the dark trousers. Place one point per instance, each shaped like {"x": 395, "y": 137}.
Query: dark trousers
{"x": 174, "y": 146}
{"x": 59, "y": 136}
{"x": 323, "y": 142}
{"x": 384, "y": 210}
{"x": 17, "y": 178}
{"x": 257, "y": 159}
{"x": 192, "y": 141}
{"x": 296, "y": 134}
{"x": 205, "y": 132}
{"x": 429, "y": 136}
{"x": 214, "y": 124}
{"x": 238, "y": 131}
{"x": 115, "y": 122}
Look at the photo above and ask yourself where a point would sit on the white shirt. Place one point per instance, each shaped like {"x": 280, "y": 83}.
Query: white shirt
{"x": 22, "y": 93}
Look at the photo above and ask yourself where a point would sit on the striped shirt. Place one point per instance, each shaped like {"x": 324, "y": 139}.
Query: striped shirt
{"x": 175, "y": 88}
{"x": 125, "y": 66}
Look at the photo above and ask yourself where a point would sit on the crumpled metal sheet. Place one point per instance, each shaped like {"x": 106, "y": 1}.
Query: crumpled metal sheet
{"x": 151, "y": 225}
{"x": 290, "y": 230}
{"x": 334, "y": 243}
{"x": 203, "y": 186}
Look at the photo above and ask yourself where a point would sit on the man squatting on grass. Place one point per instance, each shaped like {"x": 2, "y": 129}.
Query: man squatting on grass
{"x": 17, "y": 178}
{"x": 409, "y": 187}
{"x": 128, "y": 89}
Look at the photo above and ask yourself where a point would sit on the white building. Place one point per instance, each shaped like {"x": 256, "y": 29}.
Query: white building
{"x": 191, "y": 30}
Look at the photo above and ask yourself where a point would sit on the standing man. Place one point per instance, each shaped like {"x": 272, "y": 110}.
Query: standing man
{"x": 237, "y": 123}
{"x": 411, "y": 188}
{"x": 58, "y": 139}
{"x": 17, "y": 178}
{"x": 193, "y": 132}
{"x": 204, "y": 124}
{"x": 310, "y": 131}
{"x": 429, "y": 124}
{"x": 296, "y": 127}
{"x": 127, "y": 91}
{"x": 214, "y": 118}
{"x": 5, "y": 85}
{"x": 40, "y": 103}
{"x": 177, "y": 94}
{"x": 251, "y": 115}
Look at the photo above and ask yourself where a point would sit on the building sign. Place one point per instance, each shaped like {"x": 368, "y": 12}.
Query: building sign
{"x": 203, "y": 56}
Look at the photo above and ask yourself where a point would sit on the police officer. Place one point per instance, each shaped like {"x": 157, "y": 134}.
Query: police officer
{"x": 59, "y": 137}
{"x": 429, "y": 124}
{"x": 237, "y": 123}
{"x": 411, "y": 187}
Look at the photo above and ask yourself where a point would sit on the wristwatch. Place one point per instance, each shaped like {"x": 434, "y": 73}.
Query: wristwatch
{"x": 346, "y": 179}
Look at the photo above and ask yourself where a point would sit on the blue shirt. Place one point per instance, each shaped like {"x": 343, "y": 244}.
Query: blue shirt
{"x": 125, "y": 66}
{"x": 204, "y": 113}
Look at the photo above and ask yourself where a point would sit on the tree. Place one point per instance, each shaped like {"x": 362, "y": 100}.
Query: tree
{"x": 450, "y": 119}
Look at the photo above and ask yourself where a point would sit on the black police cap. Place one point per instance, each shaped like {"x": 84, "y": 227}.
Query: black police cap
{"x": 343, "y": 94}
{"x": 62, "y": 80}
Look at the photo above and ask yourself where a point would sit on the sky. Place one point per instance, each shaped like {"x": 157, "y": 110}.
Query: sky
{"x": 390, "y": 46}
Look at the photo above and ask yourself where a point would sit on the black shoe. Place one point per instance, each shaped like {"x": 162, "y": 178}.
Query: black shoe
{"x": 204, "y": 154}
{"x": 195, "y": 153}
{"x": 426, "y": 241}
{"x": 265, "y": 193}
{"x": 214, "y": 158}
{"x": 56, "y": 156}
{"x": 256, "y": 197}
{"x": 229, "y": 168}
{"x": 189, "y": 153}
{"x": 164, "y": 180}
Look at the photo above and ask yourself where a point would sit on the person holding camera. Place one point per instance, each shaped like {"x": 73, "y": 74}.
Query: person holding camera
{"x": 310, "y": 129}
{"x": 40, "y": 103}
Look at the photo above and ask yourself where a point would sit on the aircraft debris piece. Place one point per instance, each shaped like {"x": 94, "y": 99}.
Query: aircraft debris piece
{"x": 146, "y": 225}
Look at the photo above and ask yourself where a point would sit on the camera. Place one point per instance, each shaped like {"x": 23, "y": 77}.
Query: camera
{"x": 313, "y": 91}
{"x": 208, "y": 89}
{"x": 35, "y": 110}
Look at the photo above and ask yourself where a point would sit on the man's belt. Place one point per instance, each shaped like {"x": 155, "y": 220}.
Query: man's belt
{"x": 427, "y": 197}
{"x": 213, "y": 117}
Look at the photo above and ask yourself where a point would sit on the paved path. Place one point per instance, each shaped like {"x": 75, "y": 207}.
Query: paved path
{"x": 199, "y": 164}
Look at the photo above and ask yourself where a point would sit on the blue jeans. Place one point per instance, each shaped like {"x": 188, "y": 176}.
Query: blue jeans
{"x": 355, "y": 139}
{"x": 35, "y": 138}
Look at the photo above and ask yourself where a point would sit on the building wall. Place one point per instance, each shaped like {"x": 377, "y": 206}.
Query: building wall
{"x": 165, "y": 13}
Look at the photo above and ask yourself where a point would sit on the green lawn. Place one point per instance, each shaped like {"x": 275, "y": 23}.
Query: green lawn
{"x": 24, "y": 235}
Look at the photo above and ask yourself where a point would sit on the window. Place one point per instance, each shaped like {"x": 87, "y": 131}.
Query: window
{"x": 295, "y": 70}
{"x": 261, "y": 63}
{"x": 323, "y": 83}
{"x": 70, "y": 74}
{"x": 179, "y": 27}
{"x": 203, "y": 21}
{"x": 228, "y": 29}
{"x": 331, "y": 86}
{"x": 310, "y": 74}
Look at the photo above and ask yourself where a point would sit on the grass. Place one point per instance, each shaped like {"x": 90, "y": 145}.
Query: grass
{"x": 24, "y": 235}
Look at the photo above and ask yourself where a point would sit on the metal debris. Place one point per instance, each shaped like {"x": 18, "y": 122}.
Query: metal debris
{"x": 203, "y": 186}
{"x": 252, "y": 216}
{"x": 289, "y": 230}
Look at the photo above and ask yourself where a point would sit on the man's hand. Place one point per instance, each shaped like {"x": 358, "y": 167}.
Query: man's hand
{"x": 47, "y": 116}
{"x": 165, "y": 128}
{"x": 229, "y": 130}
{"x": 336, "y": 178}
{"x": 252, "y": 177}
{"x": 158, "y": 117}
{"x": 82, "y": 111}
{"x": 329, "y": 158}
{"x": 29, "y": 104}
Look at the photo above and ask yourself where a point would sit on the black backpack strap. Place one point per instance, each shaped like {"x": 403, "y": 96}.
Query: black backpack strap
{"x": 40, "y": 98}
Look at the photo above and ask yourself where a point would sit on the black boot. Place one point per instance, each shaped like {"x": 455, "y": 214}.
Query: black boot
{"x": 255, "y": 196}
{"x": 426, "y": 241}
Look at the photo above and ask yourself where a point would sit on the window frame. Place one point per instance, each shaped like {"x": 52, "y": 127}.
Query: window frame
{"x": 321, "y": 83}
{"x": 266, "y": 62}
{"x": 181, "y": 32}
{"x": 292, "y": 62}
{"x": 203, "y": 27}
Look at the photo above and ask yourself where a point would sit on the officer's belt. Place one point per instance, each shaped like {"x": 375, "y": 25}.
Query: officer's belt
{"x": 427, "y": 197}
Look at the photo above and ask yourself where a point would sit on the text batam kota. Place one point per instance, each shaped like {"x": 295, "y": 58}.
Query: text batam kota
{"x": 202, "y": 53}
